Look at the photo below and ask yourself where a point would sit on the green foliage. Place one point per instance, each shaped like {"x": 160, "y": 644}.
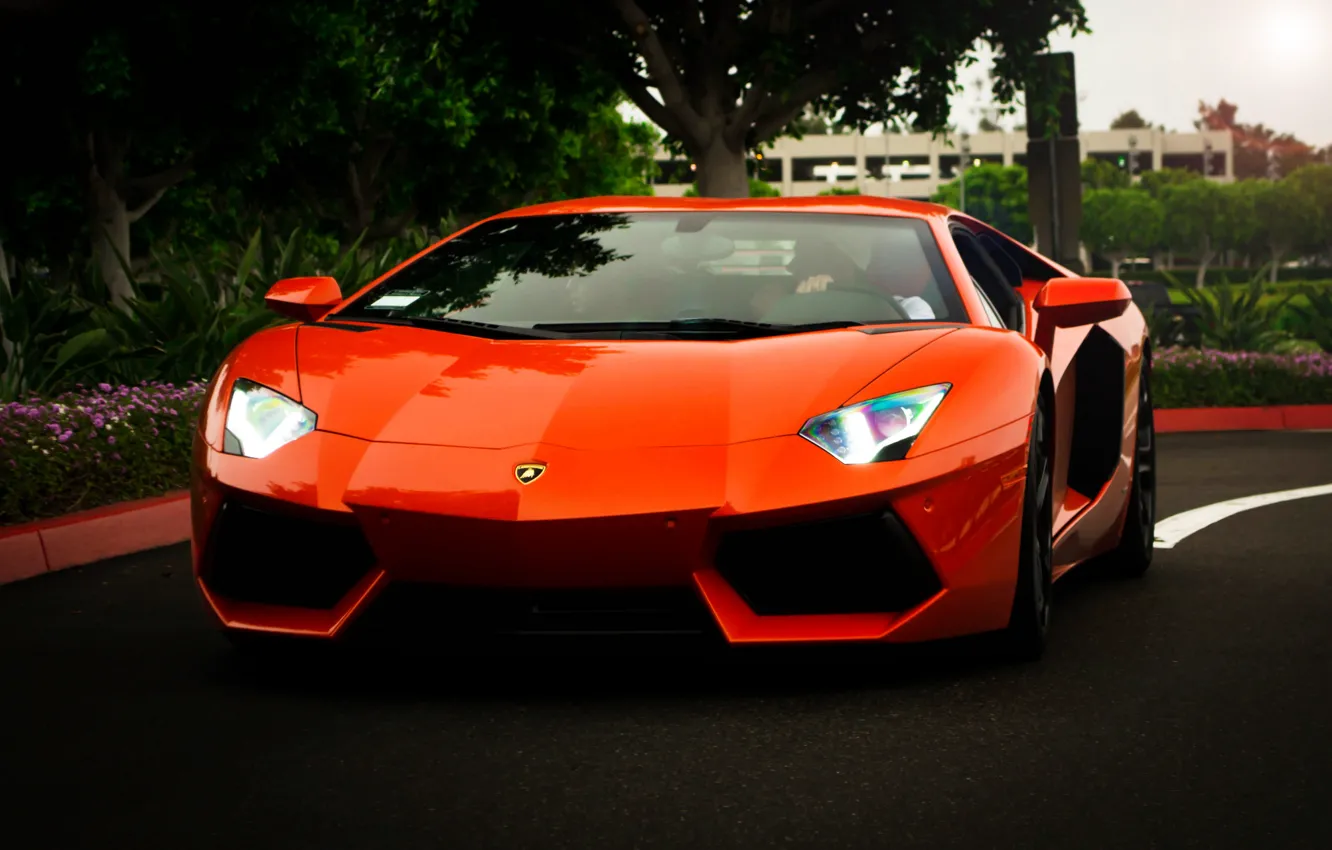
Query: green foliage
{"x": 1200, "y": 378}
{"x": 192, "y": 308}
{"x": 997, "y": 195}
{"x": 1099, "y": 174}
{"x": 757, "y": 189}
{"x": 839, "y": 190}
{"x": 874, "y": 63}
{"x": 1155, "y": 182}
{"x": 1239, "y": 322}
{"x": 1128, "y": 120}
{"x": 1315, "y": 317}
{"x": 94, "y": 447}
{"x": 1120, "y": 223}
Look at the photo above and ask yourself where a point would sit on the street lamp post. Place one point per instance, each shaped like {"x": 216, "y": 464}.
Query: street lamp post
{"x": 1133, "y": 157}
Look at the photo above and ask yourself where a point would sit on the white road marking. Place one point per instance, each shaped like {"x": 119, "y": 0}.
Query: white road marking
{"x": 1171, "y": 530}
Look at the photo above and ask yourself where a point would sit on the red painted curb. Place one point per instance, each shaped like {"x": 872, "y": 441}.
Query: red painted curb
{"x": 82, "y": 538}
{"x": 1291, "y": 417}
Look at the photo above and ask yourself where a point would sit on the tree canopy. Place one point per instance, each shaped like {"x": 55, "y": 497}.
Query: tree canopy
{"x": 997, "y": 195}
{"x": 723, "y": 78}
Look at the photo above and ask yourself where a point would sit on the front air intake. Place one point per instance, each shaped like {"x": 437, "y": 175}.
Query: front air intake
{"x": 279, "y": 559}
{"x": 859, "y": 564}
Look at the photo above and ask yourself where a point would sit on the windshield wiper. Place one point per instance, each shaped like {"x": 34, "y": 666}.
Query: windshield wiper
{"x": 487, "y": 329}
{"x": 701, "y": 324}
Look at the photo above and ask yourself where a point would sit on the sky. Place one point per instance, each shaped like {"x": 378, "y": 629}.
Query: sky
{"x": 1271, "y": 58}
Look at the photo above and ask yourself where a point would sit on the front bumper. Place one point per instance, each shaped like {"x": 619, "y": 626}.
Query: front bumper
{"x": 770, "y": 540}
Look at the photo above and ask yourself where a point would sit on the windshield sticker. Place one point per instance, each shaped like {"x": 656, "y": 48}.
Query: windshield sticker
{"x": 395, "y": 301}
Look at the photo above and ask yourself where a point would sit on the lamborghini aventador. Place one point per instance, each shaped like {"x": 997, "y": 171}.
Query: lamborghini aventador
{"x": 845, "y": 419}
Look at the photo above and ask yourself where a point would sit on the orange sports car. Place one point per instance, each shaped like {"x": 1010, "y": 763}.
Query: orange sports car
{"x": 755, "y": 421}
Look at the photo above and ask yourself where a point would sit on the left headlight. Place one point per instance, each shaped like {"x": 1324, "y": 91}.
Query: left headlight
{"x": 260, "y": 421}
{"x": 879, "y": 429}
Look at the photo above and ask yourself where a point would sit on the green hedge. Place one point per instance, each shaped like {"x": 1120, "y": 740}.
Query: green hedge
{"x": 1217, "y": 275}
{"x": 95, "y": 447}
{"x": 1190, "y": 377}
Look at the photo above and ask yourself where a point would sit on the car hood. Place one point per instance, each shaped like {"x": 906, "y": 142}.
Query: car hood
{"x": 412, "y": 385}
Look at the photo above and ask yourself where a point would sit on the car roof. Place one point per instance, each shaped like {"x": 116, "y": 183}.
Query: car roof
{"x": 844, "y": 204}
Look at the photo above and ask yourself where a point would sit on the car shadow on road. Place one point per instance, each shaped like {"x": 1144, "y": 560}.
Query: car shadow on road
{"x": 559, "y": 669}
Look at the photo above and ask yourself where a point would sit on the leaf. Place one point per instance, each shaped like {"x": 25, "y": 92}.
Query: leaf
{"x": 79, "y": 344}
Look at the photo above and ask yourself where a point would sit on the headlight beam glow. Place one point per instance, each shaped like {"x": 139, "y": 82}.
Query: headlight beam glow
{"x": 862, "y": 433}
{"x": 260, "y": 420}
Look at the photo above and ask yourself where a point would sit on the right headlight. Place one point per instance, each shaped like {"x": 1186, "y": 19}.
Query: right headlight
{"x": 260, "y": 421}
{"x": 879, "y": 429}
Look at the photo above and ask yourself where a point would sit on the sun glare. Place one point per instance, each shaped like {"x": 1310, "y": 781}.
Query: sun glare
{"x": 1289, "y": 36}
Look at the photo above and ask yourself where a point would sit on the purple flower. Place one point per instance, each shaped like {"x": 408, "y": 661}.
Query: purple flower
{"x": 106, "y": 388}
{"x": 98, "y": 420}
{"x": 64, "y": 438}
{"x": 115, "y": 455}
{"x": 53, "y": 426}
{"x": 110, "y": 441}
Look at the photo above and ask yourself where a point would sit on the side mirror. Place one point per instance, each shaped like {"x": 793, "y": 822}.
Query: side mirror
{"x": 306, "y": 299}
{"x": 1072, "y": 301}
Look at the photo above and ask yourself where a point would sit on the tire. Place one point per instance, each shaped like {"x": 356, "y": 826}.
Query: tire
{"x": 1133, "y": 555}
{"x": 1025, "y": 637}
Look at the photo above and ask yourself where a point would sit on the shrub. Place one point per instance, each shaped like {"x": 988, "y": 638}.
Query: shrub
{"x": 757, "y": 189}
{"x": 1189, "y": 377}
{"x": 89, "y": 448}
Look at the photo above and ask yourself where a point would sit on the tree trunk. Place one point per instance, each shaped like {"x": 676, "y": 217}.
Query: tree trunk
{"x": 722, "y": 171}
{"x": 1115, "y": 263}
{"x": 110, "y": 225}
{"x": 1277, "y": 254}
{"x": 1205, "y": 256}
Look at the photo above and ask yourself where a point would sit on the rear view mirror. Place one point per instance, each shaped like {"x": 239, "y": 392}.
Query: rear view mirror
{"x": 698, "y": 247}
{"x": 1073, "y": 301}
{"x": 306, "y": 299}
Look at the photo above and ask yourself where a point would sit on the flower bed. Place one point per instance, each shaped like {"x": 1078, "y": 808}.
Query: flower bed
{"x": 1189, "y": 377}
{"x": 94, "y": 447}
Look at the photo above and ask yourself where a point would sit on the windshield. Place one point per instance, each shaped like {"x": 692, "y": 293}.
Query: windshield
{"x": 664, "y": 270}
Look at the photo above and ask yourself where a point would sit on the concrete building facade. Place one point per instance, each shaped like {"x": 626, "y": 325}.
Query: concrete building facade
{"x": 915, "y": 165}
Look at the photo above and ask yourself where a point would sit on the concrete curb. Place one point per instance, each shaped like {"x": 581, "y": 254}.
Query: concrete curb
{"x": 70, "y": 541}
{"x": 1291, "y": 417}
{"x": 82, "y": 538}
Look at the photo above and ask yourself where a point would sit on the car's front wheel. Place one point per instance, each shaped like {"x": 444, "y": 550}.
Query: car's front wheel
{"x": 1029, "y": 621}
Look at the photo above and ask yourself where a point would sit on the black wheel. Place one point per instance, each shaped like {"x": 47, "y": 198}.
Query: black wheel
{"x": 1133, "y": 555}
{"x": 1029, "y": 622}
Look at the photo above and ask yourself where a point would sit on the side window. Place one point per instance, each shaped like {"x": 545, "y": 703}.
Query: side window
{"x": 989, "y": 280}
{"x": 990, "y": 313}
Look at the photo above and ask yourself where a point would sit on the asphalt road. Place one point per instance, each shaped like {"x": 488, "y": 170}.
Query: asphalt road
{"x": 1192, "y": 708}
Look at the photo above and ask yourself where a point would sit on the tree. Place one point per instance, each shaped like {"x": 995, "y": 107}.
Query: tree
{"x": 997, "y": 195}
{"x": 1155, "y": 182}
{"x": 125, "y": 104}
{"x": 1099, "y": 174}
{"x": 757, "y": 189}
{"x": 1287, "y": 219}
{"x": 1315, "y": 182}
{"x": 1259, "y": 150}
{"x": 988, "y": 125}
{"x": 1194, "y": 221}
{"x": 722, "y": 79}
{"x": 426, "y": 113}
{"x": 1130, "y": 120}
{"x": 1120, "y": 223}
